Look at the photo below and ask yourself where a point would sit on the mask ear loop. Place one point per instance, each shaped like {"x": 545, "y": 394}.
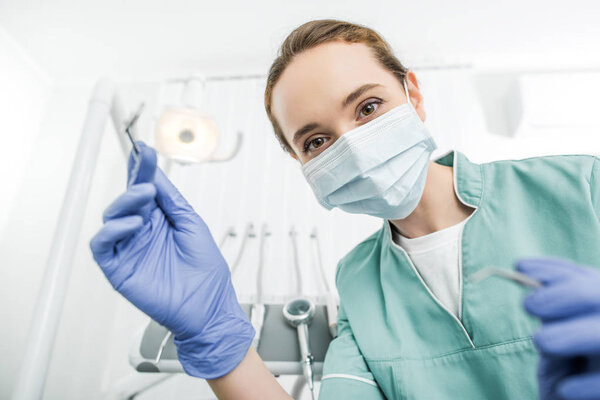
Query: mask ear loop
{"x": 406, "y": 91}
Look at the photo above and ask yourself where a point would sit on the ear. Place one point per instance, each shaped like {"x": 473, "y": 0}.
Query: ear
{"x": 294, "y": 156}
{"x": 416, "y": 97}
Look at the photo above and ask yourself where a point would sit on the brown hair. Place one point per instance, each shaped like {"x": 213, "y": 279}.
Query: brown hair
{"x": 316, "y": 32}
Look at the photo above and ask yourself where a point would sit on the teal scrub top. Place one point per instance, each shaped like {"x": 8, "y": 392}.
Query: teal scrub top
{"x": 396, "y": 340}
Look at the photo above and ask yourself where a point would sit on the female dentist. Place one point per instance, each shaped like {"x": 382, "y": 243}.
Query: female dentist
{"x": 411, "y": 325}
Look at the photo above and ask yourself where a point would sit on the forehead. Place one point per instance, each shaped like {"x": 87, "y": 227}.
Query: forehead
{"x": 317, "y": 80}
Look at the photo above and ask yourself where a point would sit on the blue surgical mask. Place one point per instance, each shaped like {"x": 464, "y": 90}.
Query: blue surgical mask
{"x": 377, "y": 169}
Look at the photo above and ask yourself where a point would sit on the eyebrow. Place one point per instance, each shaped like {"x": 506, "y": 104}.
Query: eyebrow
{"x": 357, "y": 92}
{"x": 304, "y": 130}
{"x": 349, "y": 99}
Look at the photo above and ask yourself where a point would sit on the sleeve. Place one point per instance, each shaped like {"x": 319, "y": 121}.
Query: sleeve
{"x": 345, "y": 372}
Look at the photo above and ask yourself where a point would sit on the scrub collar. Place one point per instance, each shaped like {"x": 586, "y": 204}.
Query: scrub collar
{"x": 468, "y": 182}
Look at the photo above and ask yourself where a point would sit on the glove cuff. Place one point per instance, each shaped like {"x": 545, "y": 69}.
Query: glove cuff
{"x": 218, "y": 349}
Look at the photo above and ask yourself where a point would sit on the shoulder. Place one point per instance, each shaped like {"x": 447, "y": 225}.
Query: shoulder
{"x": 361, "y": 255}
{"x": 569, "y": 170}
{"x": 584, "y": 162}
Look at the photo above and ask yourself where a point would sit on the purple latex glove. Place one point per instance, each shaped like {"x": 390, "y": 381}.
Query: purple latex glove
{"x": 159, "y": 254}
{"x": 568, "y": 305}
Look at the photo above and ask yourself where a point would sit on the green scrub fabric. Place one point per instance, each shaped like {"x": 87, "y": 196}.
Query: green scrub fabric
{"x": 395, "y": 339}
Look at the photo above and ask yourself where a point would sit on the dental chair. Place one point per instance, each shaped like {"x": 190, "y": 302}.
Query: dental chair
{"x": 152, "y": 349}
{"x": 278, "y": 346}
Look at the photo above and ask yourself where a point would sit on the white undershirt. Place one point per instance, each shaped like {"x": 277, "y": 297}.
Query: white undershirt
{"x": 435, "y": 257}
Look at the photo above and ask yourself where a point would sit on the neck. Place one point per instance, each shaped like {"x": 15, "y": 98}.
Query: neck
{"x": 438, "y": 208}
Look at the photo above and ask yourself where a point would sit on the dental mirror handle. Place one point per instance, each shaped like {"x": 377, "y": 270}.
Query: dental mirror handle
{"x": 307, "y": 358}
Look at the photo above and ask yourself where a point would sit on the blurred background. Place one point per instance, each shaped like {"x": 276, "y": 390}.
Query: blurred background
{"x": 508, "y": 79}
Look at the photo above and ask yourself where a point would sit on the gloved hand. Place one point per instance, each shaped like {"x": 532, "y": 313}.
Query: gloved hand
{"x": 159, "y": 254}
{"x": 568, "y": 304}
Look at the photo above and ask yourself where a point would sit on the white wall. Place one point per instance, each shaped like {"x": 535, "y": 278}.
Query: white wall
{"x": 24, "y": 92}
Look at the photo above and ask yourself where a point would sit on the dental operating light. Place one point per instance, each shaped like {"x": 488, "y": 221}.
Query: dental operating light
{"x": 185, "y": 134}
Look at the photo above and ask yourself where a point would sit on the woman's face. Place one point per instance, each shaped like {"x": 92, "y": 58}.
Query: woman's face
{"x": 331, "y": 89}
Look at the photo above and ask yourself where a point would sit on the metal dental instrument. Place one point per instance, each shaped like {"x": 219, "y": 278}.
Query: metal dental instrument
{"x": 298, "y": 313}
{"x": 130, "y": 124}
{"x": 514, "y": 276}
{"x": 136, "y": 149}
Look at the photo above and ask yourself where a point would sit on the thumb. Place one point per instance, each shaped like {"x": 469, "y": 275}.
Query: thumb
{"x": 178, "y": 211}
{"x": 141, "y": 167}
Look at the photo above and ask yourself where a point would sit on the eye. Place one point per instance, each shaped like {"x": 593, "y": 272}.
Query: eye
{"x": 369, "y": 108}
{"x": 314, "y": 144}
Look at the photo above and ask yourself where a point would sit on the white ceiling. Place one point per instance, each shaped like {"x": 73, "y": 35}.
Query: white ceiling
{"x": 77, "y": 40}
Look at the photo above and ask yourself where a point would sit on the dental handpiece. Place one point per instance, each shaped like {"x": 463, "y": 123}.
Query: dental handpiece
{"x": 331, "y": 302}
{"x": 307, "y": 358}
{"x": 298, "y": 313}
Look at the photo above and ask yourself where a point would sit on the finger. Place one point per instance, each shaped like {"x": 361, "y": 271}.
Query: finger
{"x": 581, "y": 387}
{"x": 142, "y": 169}
{"x": 564, "y": 299}
{"x": 553, "y": 370}
{"x": 179, "y": 212}
{"x": 573, "y": 337}
{"x": 130, "y": 202}
{"x": 103, "y": 243}
{"x": 549, "y": 270}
